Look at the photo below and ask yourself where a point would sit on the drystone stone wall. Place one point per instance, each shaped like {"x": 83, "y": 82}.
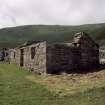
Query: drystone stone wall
{"x": 89, "y": 51}
{"x": 34, "y": 57}
{"x": 14, "y": 56}
{"x": 82, "y": 53}
{"x": 59, "y": 59}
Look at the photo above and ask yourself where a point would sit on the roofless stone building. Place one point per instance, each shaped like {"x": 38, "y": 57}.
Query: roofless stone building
{"x": 42, "y": 58}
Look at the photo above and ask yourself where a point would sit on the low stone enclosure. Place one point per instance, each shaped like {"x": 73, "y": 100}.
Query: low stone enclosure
{"x": 42, "y": 58}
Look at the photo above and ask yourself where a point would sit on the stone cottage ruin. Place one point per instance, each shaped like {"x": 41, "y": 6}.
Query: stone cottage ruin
{"x": 42, "y": 58}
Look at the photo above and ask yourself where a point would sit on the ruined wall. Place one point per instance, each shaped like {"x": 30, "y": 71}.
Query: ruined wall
{"x": 14, "y": 56}
{"x": 60, "y": 58}
{"x": 89, "y": 51}
{"x": 24, "y": 57}
{"x": 102, "y": 56}
{"x": 89, "y": 56}
{"x": 82, "y": 53}
{"x": 37, "y": 61}
{"x": 11, "y": 56}
{"x": 17, "y": 56}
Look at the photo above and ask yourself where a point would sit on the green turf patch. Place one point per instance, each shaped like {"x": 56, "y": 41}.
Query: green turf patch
{"x": 16, "y": 89}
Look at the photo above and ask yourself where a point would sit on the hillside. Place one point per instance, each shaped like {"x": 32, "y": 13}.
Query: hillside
{"x": 11, "y": 37}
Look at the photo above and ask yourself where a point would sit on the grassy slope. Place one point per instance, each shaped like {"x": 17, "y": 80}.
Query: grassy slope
{"x": 10, "y": 37}
{"x": 16, "y": 89}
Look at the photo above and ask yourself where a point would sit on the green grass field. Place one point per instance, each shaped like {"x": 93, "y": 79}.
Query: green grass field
{"x": 17, "y": 89}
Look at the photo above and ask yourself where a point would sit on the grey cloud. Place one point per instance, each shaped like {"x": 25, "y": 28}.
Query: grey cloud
{"x": 62, "y": 12}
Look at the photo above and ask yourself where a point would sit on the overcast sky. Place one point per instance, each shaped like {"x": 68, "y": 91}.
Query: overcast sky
{"x": 60, "y": 12}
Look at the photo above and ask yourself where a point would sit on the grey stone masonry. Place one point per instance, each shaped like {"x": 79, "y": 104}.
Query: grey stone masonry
{"x": 42, "y": 58}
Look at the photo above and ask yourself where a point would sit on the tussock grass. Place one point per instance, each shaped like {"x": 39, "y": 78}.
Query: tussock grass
{"x": 71, "y": 84}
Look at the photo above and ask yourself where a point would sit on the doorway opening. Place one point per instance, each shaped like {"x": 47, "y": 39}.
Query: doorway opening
{"x": 22, "y": 57}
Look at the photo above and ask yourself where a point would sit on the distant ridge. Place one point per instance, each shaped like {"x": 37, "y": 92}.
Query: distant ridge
{"x": 14, "y": 36}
